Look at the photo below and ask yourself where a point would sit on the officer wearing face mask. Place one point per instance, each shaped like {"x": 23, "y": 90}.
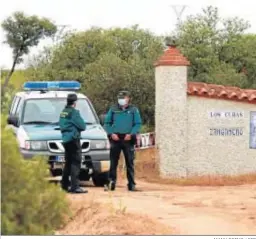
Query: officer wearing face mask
{"x": 122, "y": 123}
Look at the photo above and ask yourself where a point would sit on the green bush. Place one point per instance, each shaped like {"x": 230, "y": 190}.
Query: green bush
{"x": 30, "y": 204}
{"x": 147, "y": 129}
{"x": 7, "y": 99}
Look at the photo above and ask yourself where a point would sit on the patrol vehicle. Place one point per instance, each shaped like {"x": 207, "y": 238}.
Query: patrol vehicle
{"x": 34, "y": 117}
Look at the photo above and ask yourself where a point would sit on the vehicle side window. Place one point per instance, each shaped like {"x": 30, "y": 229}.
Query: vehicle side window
{"x": 19, "y": 108}
{"x": 13, "y": 101}
{"x": 15, "y": 105}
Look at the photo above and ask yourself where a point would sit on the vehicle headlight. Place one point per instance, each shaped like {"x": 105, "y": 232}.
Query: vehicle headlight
{"x": 100, "y": 144}
{"x": 36, "y": 145}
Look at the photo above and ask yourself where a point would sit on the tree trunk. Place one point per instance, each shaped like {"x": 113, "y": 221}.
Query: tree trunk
{"x": 8, "y": 77}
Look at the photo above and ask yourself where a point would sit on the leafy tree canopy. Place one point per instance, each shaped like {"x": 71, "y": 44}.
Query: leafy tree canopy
{"x": 22, "y": 33}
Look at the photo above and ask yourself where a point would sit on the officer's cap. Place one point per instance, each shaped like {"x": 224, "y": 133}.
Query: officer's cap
{"x": 71, "y": 99}
{"x": 123, "y": 93}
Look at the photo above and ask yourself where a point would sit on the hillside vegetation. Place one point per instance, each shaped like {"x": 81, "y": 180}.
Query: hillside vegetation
{"x": 30, "y": 204}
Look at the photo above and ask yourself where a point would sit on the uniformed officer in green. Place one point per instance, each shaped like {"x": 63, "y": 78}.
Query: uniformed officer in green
{"x": 122, "y": 124}
{"x": 71, "y": 125}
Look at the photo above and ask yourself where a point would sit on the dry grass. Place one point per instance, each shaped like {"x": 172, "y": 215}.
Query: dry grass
{"x": 147, "y": 168}
{"x": 90, "y": 218}
{"x": 111, "y": 218}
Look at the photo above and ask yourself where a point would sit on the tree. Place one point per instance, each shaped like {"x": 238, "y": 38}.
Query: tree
{"x": 242, "y": 55}
{"x": 105, "y": 61}
{"x": 218, "y": 49}
{"x": 23, "y": 32}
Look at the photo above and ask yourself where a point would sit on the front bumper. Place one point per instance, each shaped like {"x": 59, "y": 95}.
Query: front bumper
{"x": 98, "y": 160}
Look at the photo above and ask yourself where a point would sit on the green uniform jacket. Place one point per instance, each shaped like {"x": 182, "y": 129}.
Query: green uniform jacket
{"x": 123, "y": 121}
{"x": 71, "y": 124}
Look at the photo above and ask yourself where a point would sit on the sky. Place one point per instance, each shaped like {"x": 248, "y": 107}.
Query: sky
{"x": 155, "y": 15}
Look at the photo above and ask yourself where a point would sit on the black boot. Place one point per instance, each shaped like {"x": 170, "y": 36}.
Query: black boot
{"x": 78, "y": 190}
{"x": 110, "y": 187}
{"x": 132, "y": 188}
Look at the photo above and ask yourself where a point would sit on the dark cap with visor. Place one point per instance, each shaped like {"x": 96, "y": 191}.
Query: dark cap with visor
{"x": 123, "y": 94}
{"x": 71, "y": 99}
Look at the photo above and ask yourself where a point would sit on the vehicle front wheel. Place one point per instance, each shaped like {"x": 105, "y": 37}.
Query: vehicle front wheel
{"x": 101, "y": 179}
{"x": 84, "y": 176}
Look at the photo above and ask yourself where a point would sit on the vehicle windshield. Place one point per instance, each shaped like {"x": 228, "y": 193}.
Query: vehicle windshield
{"x": 47, "y": 111}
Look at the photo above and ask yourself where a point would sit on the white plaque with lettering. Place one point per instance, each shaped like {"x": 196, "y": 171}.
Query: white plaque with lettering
{"x": 227, "y": 114}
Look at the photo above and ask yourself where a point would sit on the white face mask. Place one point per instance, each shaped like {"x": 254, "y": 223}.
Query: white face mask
{"x": 122, "y": 102}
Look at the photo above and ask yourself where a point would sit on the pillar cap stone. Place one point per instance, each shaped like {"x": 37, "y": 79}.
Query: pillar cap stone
{"x": 172, "y": 57}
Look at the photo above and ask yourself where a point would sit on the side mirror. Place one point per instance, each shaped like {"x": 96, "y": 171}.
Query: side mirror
{"x": 102, "y": 118}
{"x": 14, "y": 120}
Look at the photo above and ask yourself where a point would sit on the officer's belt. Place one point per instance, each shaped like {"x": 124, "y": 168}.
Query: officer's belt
{"x": 66, "y": 130}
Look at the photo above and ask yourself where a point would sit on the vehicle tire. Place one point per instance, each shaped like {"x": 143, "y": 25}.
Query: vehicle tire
{"x": 84, "y": 176}
{"x": 99, "y": 180}
{"x": 56, "y": 172}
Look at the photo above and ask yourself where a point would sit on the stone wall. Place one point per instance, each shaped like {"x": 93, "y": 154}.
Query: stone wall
{"x": 219, "y": 137}
{"x": 199, "y": 135}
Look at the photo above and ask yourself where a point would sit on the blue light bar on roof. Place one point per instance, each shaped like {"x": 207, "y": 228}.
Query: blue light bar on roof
{"x": 51, "y": 85}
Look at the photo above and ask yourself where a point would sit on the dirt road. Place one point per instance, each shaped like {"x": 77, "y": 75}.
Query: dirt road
{"x": 183, "y": 210}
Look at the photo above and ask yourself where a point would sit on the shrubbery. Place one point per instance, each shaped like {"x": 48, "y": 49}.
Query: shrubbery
{"x": 6, "y": 99}
{"x": 30, "y": 204}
